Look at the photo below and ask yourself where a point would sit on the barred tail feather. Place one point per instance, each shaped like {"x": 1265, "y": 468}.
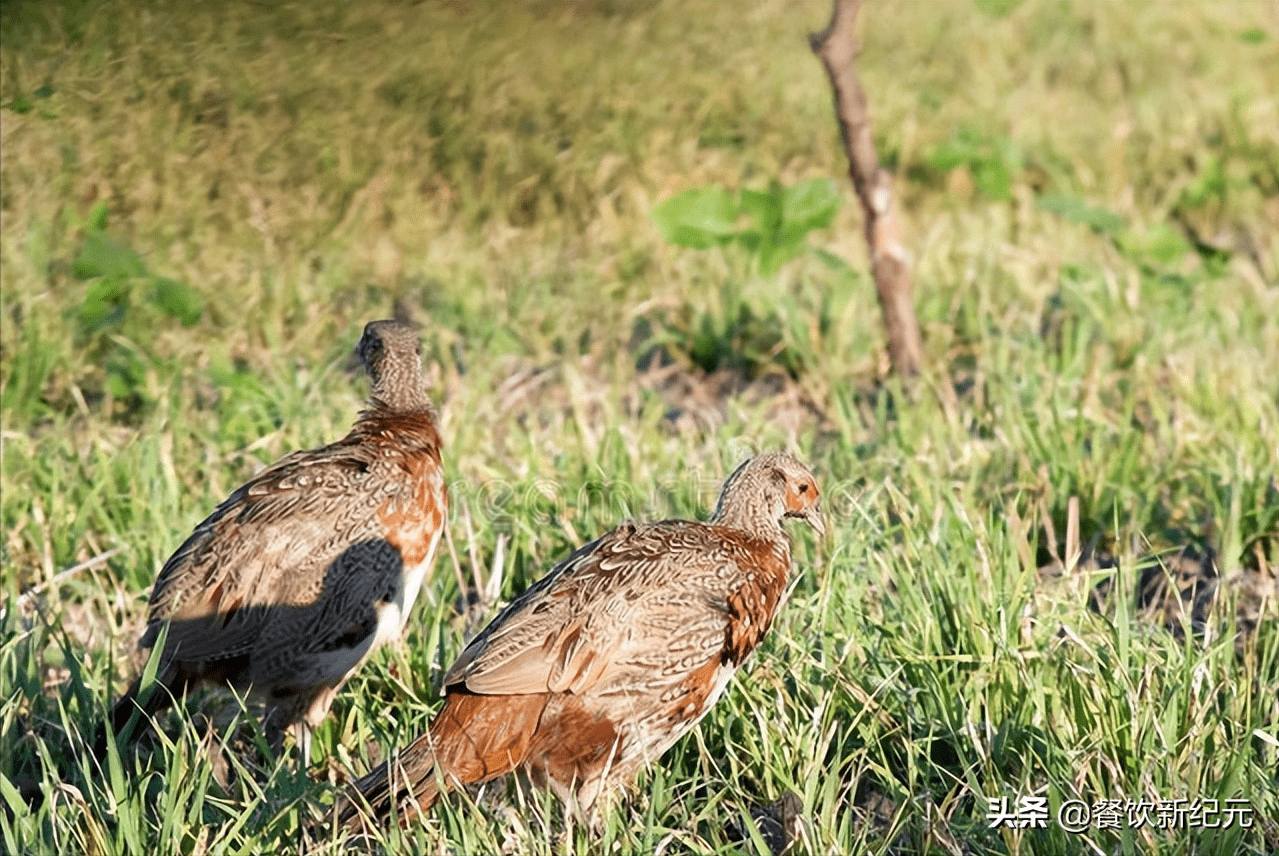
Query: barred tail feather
{"x": 406, "y": 781}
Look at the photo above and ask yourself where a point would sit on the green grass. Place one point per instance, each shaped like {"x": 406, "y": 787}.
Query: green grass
{"x": 200, "y": 206}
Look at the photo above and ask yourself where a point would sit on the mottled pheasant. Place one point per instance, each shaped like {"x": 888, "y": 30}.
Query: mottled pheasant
{"x": 308, "y": 568}
{"x": 602, "y": 665}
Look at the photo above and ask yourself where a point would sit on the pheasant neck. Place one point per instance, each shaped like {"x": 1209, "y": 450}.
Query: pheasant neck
{"x": 748, "y": 513}
{"x": 401, "y": 397}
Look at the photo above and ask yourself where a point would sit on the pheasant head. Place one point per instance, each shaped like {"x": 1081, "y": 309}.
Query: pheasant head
{"x": 765, "y": 490}
{"x": 392, "y": 356}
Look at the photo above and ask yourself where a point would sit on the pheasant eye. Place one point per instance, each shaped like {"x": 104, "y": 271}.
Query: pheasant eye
{"x": 803, "y": 488}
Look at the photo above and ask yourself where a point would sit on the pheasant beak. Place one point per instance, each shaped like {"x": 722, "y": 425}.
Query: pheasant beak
{"x": 813, "y": 517}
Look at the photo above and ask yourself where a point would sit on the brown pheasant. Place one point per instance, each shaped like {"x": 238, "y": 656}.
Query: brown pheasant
{"x": 303, "y": 572}
{"x": 602, "y": 665}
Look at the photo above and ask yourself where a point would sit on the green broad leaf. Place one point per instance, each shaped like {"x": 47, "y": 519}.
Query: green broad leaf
{"x": 1161, "y": 243}
{"x": 764, "y": 208}
{"x": 1077, "y": 211}
{"x": 120, "y": 382}
{"x": 105, "y": 303}
{"x": 1210, "y": 185}
{"x": 992, "y": 159}
{"x": 993, "y": 180}
{"x": 966, "y": 147}
{"x": 751, "y": 239}
{"x": 104, "y": 256}
{"x": 833, "y": 262}
{"x": 177, "y": 299}
{"x": 777, "y": 252}
{"x": 698, "y": 218}
{"x": 809, "y": 205}
{"x": 97, "y": 217}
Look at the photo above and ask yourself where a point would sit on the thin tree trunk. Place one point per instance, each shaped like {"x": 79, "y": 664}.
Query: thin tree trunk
{"x": 837, "y": 47}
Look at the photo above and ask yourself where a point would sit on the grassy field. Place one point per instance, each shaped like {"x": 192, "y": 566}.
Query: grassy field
{"x": 201, "y": 204}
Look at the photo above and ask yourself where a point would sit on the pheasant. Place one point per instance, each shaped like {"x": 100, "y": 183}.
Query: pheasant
{"x": 603, "y": 664}
{"x": 300, "y": 574}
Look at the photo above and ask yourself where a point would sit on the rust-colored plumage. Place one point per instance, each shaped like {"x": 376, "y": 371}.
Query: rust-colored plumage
{"x": 602, "y": 665}
{"x": 313, "y": 564}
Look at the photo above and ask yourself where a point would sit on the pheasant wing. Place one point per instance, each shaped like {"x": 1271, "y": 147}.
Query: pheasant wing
{"x": 267, "y": 549}
{"x": 637, "y": 595}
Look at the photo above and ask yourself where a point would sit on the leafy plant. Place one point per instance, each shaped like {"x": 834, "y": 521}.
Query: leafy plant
{"x": 1154, "y": 247}
{"x": 779, "y": 219}
{"x": 772, "y": 227}
{"x": 1076, "y": 211}
{"x": 992, "y": 160}
{"x": 119, "y": 272}
{"x": 124, "y": 298}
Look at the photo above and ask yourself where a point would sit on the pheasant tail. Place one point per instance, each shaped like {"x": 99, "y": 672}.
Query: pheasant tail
{"x": 473, "y": 739}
